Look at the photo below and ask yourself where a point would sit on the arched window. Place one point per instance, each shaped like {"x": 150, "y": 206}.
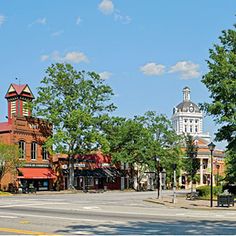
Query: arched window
{"x": 22, "y": 149}
{"x": 33, "y": 151}
{"x": 44, "y": 153}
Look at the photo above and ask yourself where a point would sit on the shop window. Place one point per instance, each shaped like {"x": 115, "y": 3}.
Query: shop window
{"x": 44, "y": 153}
{"x": 90, "y": 181}
{"x": 22, "y": 149}
{"x": 33, "y": 151}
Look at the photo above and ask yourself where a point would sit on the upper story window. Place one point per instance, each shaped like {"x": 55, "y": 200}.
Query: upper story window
{"x": 25, "y": 108}
{"x": 44, "y": 153}
{"x": 185, "y": 129}
{"x": 191, "y": 128}
{"x": 13, "y": 108}
{"x": 33, "y": 151}
{"x": 22, "y": 149}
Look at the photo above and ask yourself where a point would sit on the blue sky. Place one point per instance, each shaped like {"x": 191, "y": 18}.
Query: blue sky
{"x": 147, "y": 50}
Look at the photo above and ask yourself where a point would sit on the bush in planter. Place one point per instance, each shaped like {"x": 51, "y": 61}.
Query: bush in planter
{"x": 231, "y": 188}
{"x": 205, "y": 191}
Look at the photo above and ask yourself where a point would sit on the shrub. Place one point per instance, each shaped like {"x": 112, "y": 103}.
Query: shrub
{"x": 231, "y": 188}
{"x": 205, "y": 191}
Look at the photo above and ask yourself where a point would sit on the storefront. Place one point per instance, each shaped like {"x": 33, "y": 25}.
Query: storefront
{"x": 40, "y": 178}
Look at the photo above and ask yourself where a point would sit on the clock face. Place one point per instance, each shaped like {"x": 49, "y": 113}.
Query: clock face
{"x": 191, "y": 109}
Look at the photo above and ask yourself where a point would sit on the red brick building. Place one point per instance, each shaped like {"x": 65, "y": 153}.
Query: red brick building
{"x": 30, "y": 134}
{"x": 92, "y": 172}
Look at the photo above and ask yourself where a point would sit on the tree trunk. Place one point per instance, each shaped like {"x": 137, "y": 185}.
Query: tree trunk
{"x": 71, "y": 173}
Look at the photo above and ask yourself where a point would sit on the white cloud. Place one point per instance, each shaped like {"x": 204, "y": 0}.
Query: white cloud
{"x": 78, "y": 20}
{"x": 106, "y": 7}
{"x": 152, "y": 69}
{"x": 105, "y": 75}
{"x": 187, "y": 69}
{"x": 44, "y": 57}
{"x": 57, "y": 33}
{"x": 70, "y": 57}
{"x": 2, "y": 19}
{"x": 122, "y": 18}
{"x": 75, "y": 57}
{"x": 39, "y": 21}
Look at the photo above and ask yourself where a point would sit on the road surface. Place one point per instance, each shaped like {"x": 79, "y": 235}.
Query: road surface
{"x": 106, "y": 213}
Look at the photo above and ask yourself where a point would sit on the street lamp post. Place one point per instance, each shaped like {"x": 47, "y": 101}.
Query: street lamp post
{"x": 193, "y": 155}
{"x": 211, "y": 147}
{"x": 174, "y": 183}
{"x": 158, "y": 176}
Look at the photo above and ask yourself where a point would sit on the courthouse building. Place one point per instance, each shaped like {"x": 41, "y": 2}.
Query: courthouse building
{"x": 30, "y": 135}
{"x": 187, "y": 118}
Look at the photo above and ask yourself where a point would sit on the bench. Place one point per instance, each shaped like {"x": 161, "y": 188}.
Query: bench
{"x": 225, "y": 200}
{"x": 192, "y": 196}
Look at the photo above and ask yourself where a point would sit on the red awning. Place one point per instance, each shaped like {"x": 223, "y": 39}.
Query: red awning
{"x": 36, "y": 173}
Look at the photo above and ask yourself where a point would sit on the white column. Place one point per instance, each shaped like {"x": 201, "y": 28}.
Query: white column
{"x": 201, "y": 171}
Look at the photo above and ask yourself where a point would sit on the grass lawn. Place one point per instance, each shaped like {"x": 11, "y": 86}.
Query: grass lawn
{"x": 5, "y": 193}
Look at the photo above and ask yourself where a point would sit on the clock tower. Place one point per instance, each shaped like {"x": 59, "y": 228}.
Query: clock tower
{"x": 187, "y": 118}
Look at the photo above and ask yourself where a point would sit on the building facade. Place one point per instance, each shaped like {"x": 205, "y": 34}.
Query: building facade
{"x": 187, "y": 119}
{"x": 30, "y": 135}
{"x": 91, "y": 172}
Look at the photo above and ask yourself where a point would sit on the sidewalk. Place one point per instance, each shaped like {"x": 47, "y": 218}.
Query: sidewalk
{"x": 182, "y": 202}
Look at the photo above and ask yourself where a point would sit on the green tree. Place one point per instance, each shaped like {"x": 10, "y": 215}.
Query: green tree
{"x": 230, "y": 161}
{"x": 221, "y": 82}
{"x": 167, "y": 142}
{"x": 132, "y": 143}
{"x": 137, "y": 141}
{"x": 9, "y": 159}
{"x": 76, "y": 103}
{"x": 192, "y": 163}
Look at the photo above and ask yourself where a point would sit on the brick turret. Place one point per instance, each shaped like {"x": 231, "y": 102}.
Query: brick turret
{"x": 18, "y": 96}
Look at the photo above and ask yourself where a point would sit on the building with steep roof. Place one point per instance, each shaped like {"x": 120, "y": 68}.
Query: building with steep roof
{"x": 187, "y": 119}
{"x": 29, "y": 134}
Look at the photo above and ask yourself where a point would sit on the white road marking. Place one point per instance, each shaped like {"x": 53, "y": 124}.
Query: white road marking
{"x": 33, "y": 204}
{"x": 92, "y": 208}
{"x": 9, "y": 217}
{"x": 68, "y": 218}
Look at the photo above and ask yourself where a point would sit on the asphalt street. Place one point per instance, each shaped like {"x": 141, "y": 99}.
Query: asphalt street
{"x": 107, "y": 213}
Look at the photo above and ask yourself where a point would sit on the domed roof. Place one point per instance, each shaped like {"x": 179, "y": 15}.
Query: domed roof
{"x": 187, "y": 106}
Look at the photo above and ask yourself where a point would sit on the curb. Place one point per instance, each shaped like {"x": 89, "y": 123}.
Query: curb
{"x": 169, "y": 204}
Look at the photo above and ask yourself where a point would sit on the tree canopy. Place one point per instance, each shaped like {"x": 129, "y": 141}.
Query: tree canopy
{"x": 192, "y": 163}
{"x": 9, "y": 159}
{"x": 139, "y": 140}
{"x": 76, "y": 103}
{"x": 221, "y": 83}
{"x": 230, "y": 161}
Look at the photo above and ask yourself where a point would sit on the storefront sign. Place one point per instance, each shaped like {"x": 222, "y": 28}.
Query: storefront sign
{"x": 36, "y": 165}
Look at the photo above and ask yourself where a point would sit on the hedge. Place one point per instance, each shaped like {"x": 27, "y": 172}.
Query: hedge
{"x": 205, "y": 191}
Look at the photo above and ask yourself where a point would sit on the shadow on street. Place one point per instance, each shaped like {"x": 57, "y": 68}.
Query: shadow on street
{"x": 171, "y": 227}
